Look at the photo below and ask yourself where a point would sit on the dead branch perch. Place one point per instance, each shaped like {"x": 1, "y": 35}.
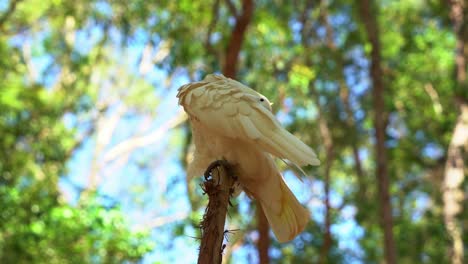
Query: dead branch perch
{"x": 218, "y": 185}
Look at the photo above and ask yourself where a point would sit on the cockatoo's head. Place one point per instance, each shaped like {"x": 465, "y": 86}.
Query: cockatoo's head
{"x": 264, "y": 102}
{"x": 258, "y": 98}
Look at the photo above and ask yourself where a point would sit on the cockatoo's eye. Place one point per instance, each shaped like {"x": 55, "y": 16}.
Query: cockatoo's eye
{"x": 265, "y": 103}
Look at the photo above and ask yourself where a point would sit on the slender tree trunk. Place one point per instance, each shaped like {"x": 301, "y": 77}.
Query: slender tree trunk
{"x": 344, "y": 95}
{"x": 453, "y": 195}
{"x": 351, "y": 123}
{"x": 458, "y": 11}
{"x": 237, "y": 38}
{"x": 454, "y": 176}
{"x": 325, "y": 132}
{"x": 328, "y": 141}
{"x": 370, "y": 23}
{"x": 264, "y": 237}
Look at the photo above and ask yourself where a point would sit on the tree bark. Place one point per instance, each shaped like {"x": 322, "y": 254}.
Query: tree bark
{"x": 218, "y": 187}
{"x": 458, "y": 11}
{"x": 264, "y": 237}
{"x": 237, "y": 38}
{"x": 383, "y": 182}
{"x": 452, "y": 193}
{"x": 329, "y": 146}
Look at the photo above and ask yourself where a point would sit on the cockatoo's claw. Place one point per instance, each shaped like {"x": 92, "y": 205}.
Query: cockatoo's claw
{"x": 214, "y": 165}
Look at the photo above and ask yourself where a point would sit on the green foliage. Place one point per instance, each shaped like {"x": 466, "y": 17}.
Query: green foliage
{"x": 37, "y": 229}
{"x": 310, "y": 60}
{"x": 36, "y": 225}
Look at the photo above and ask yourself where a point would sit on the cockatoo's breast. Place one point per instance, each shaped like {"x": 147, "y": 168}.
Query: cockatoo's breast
{"x": 208, "y": 143}
{"x": 211, "y": 146}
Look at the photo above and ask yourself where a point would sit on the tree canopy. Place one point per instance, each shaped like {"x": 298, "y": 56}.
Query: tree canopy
{"x": 94, "y": 147}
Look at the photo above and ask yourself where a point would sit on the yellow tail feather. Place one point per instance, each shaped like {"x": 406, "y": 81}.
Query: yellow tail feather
{"x": 292, "y": 217}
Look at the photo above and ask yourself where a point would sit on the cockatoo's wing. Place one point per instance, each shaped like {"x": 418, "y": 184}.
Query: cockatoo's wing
{"x": 236, "y": 111}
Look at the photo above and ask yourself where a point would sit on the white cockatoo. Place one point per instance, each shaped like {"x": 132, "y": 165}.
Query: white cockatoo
{"x": 231, "y": 121}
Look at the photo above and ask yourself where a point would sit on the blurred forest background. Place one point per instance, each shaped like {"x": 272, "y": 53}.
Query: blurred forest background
{"x": 93, "y": 145}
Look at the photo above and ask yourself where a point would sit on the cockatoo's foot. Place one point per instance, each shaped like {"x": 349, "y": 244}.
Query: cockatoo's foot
{"x": 214, "y": 165}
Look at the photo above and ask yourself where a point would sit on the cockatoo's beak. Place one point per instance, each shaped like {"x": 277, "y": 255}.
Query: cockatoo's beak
{"x": 270, "y": 108}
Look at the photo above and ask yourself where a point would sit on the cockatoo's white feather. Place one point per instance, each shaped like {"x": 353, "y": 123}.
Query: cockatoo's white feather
{"x": 232, "y": 121}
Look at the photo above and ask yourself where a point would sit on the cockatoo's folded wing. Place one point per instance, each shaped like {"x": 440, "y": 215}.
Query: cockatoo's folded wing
{"x": 236, "y": 111}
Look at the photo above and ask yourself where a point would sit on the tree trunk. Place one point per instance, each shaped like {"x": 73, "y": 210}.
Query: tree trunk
{"x": 328, "y": 141}
{"x": 458, "y": 10}
{"x": 263, "y": 236}
{"x": 325, "y": 132}
{"x": 452, "y": 193}
{"x": 237, "y": 38}
{"x": 218, "y": 188}
{"x": 370, "y": 23}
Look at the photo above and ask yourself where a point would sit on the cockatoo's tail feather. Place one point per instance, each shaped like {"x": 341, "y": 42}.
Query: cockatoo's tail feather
{"x": 293, "y": 217}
